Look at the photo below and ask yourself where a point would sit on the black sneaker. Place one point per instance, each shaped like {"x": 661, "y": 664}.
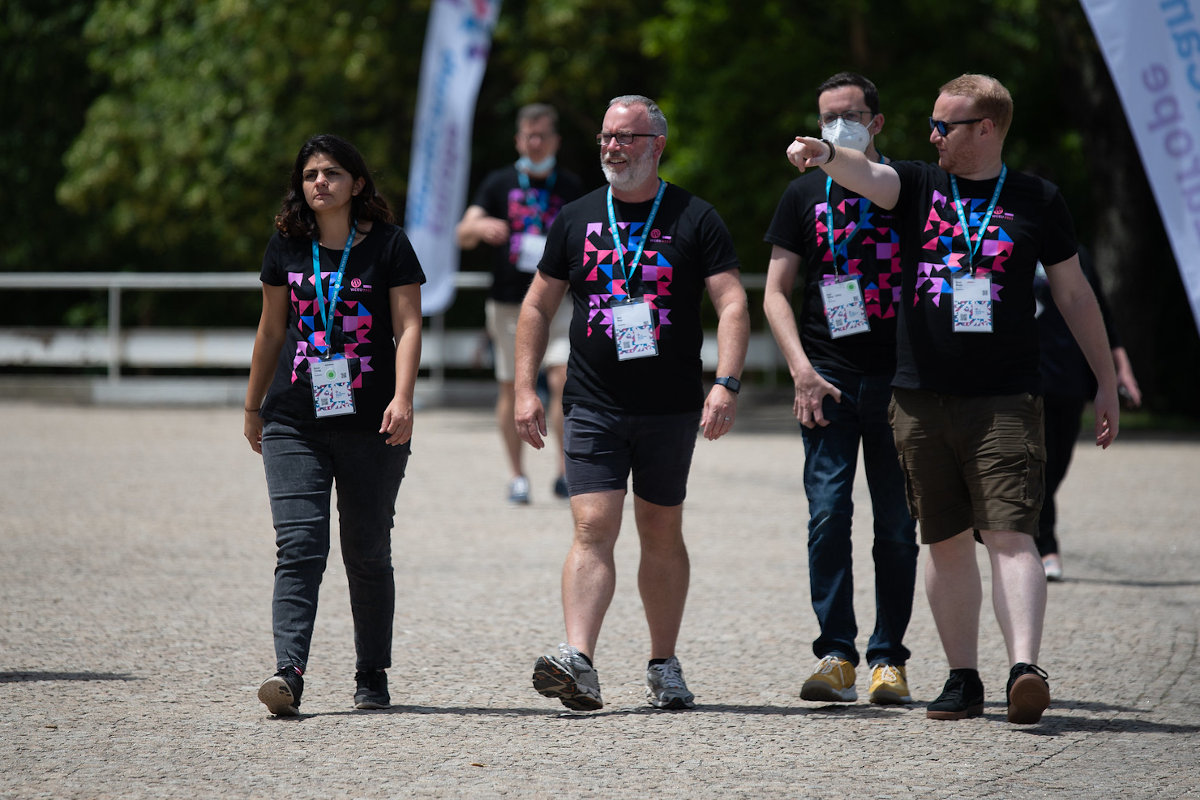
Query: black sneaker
{"x": 961, "y": 697}
{"x": 281, "y": 692}
{"x": 372, "y": 691}
{"x": 1028, "y": 693}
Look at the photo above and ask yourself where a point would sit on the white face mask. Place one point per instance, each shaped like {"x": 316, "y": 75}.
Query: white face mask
{"x": 543, "y": 167}
{"x": 847, "y": 134}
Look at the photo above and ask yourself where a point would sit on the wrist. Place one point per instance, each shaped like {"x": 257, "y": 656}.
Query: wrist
{"x": 832, "y": 152}
{"x": 729, "y": 382}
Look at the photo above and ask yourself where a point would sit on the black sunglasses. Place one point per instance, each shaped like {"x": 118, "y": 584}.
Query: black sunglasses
{"x": 943, "y": 127}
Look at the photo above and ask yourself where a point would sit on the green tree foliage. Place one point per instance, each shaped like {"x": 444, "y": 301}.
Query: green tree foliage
{"x": 47, "y": 89}
{"x": 195, "y": 110}
{"x": 187, "y": 153}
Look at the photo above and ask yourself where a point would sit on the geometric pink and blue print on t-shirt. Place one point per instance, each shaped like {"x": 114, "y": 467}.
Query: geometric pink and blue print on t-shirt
{"x": 946, "y": 255}
{"x": 529, "y": 211}
{"x": 606, "y": 279}
{"x": 351, "y": 316}
{"x": 881, "y": 293}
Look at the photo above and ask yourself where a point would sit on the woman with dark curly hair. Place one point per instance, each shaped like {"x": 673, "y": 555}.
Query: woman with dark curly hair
{"x": 330, "y": 401}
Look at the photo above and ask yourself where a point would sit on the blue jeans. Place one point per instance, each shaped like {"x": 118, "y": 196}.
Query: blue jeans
{"x": 830, "y": 460}
{"x": 302, "y": 467}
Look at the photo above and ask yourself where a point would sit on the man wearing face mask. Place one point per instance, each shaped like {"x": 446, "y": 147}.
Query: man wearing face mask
{"x": 511, "y": 213}
{"x": 840, "y": 346}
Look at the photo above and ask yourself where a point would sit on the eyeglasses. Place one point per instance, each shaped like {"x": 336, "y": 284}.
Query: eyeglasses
{"x": 623, "y": 139}
{"x": 942, "y": 126}
{"x": 861, "y": 117}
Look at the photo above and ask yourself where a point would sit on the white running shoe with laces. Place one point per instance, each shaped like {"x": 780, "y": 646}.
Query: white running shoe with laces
{"x": 665, "y": 687}
{"x": 569, "y": 677}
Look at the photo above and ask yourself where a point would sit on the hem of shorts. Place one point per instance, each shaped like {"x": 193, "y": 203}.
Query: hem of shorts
{"x": 1010, "y": 525}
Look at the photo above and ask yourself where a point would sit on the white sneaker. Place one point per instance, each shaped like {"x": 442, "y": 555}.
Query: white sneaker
{"x": 569, "y": 677}
{"x": 665, "y": 687}
{"x": 1053, "y": 566}
{"x": 518, "y": 490}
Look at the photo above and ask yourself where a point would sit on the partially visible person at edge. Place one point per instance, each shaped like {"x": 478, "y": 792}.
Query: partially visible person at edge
{"x": 840, "y": 347}
{"x": 330, "y": 401}
{"x": 1069, "y": 386}
{"x": 966, "y": 407}
{"x": 636, "y": 257}
{"x": 510, "y": 215}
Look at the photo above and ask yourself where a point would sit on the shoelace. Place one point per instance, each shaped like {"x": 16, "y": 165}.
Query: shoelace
{"x": 1035, "y": 670}
{"x": 672, "y": 675}
{"x": 889, "y": 674}
{"x": 572, "y": 657}
{"x": 827, "y": 664}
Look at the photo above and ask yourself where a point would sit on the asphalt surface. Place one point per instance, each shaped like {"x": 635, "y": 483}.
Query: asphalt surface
{"x": 136, "y": 557}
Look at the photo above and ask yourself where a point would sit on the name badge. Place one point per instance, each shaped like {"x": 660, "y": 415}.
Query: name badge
{"x": 332, "y": 395}
{"x": 633, "y": 330}
{"x": 530, "y": 255}
{"x": 845, "y": 311}
{"x": 973, "y": 304}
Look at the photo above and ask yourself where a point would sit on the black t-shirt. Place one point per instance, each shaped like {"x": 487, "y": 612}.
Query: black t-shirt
{"x": 362, "y": 326}
{"x": 872, "y": 245}
{"x": 687, "y": 243}
{"x": 1030, "y": 223}
{"x": 527, "y": 211}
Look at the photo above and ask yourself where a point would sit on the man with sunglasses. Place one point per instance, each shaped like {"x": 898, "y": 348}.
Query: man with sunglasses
{"x": 840, "y": 347}
{"x": 636, "y": 257}
{"x": 966, "y": 408}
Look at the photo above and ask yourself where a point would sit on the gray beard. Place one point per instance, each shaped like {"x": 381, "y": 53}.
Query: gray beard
{"x": 636, "y": 173}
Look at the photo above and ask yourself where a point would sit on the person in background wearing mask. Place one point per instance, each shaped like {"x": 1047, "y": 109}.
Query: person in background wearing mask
{"x": 840, "y": 346}
{"x": 511, "y": 213}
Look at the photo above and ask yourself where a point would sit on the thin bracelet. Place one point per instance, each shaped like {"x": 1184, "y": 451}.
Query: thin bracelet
{"x": 252, "y": 410}
{"x": 832, "y": 152}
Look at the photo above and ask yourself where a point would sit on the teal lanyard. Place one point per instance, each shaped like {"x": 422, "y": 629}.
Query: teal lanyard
{"x": 841, "y": 250}
{"x": 973, "y": 245}
{"x": 335, "y": 287}
{"x": 620, "y": 248}
{"x": 540, "y": 199}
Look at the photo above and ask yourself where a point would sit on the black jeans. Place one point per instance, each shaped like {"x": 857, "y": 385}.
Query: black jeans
{"x": 302, "y": 467}
{"x": 1063, "y": 419}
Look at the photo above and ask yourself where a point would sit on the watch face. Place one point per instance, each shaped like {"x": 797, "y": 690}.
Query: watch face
{"x": 732, "y": 384}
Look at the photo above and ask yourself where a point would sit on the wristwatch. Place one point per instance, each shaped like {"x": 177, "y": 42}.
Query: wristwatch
{"x": 730, "y": 383}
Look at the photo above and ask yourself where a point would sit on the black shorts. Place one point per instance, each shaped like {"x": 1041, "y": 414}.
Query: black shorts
{"x": 601, "y": 448}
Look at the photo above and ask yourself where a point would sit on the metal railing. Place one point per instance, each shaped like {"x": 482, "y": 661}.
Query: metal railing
{"x": 24, "y": 346}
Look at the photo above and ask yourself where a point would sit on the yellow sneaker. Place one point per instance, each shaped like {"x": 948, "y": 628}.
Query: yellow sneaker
{"x": 832, "y": 681}
{"x": 889, "y": 685}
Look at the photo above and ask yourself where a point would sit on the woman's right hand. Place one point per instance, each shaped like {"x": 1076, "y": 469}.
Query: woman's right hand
{"x": 252, "y": 428}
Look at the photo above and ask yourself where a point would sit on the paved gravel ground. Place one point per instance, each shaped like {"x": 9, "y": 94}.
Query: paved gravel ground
{"x": 136, "y": 557}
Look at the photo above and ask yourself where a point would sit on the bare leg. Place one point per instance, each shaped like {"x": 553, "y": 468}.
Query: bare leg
{"x": 1018, "y": 592}
{"x": 589, "y": 575}
{"x": 955, "y": 592}
{"x": 663, "y": 572}
{"x": 505, "y": 401}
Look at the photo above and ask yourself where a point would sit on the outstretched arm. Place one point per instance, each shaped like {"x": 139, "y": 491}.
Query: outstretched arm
{"x": 849, "y": 169}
